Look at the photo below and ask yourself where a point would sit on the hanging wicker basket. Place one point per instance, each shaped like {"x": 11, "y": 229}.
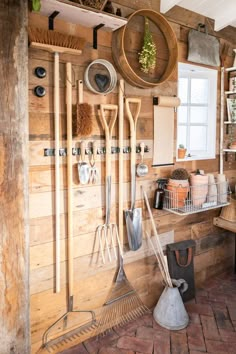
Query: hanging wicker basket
{"x": 125, "y": 51}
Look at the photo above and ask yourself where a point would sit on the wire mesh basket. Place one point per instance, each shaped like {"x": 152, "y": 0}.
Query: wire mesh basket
{"x": 193, "y": 199}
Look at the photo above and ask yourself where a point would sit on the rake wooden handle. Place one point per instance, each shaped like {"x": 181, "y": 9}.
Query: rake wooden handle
{"x": 121, "y": 161}
{"x": 57, "y": 168}
{"x": 69, "y": 178}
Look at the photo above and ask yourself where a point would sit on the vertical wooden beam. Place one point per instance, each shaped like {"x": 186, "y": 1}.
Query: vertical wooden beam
{"x": 14, "y": 243}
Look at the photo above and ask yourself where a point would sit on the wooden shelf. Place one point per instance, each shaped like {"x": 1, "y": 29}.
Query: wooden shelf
{"x": 225, "y": 224}
{"x": 230, "y": 92}
{"x": 229, "y": 150}
{"x": 78, "y": 14}
{"x": 233, "y": 68}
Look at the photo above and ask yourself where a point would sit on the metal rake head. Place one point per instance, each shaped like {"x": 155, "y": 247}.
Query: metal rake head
{"x": 120, "y": 312}
{"x": 56, "y": 343}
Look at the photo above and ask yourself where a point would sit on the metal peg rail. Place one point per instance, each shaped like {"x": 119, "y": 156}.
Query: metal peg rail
{"x": 89, "y": 151}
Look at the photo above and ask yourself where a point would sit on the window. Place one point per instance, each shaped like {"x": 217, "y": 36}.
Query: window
{"x": 196, "y": 124}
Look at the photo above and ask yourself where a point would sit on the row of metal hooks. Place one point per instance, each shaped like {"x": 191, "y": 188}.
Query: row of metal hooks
{"x": 89, "y": 151}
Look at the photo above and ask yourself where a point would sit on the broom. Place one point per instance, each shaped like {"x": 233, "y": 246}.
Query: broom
{"x": 55, "y": 42}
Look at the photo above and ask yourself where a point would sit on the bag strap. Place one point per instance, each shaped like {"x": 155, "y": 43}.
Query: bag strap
{"x": 189, "y": 258}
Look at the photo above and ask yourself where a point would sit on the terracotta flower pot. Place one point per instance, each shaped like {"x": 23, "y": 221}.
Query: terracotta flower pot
{"x": 181, "y": 153}
{"x": 199, "y": 189}
{"x": 178, "y": 192}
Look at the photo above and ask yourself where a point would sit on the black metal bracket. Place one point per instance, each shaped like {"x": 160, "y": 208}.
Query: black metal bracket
{"x": 226, "y": 156}
{"x": 51, "y": 20}
{"x": 95, "y": 35}
{"x": 155, "y": 101}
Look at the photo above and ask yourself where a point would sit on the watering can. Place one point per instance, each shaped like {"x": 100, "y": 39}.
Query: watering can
{"x": 169, "y": 311}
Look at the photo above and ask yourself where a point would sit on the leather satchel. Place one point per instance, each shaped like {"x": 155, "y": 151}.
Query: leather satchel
{"x": 180, "y": 257}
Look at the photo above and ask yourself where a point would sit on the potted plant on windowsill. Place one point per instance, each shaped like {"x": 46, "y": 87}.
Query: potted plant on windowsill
{"x": 178, "y": 185}
{"x": 181, "y": 151}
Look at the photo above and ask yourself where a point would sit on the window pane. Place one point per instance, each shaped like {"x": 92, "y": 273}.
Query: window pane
{"x": 198, "y": 114}
{"x": 183, "y": 90}
{"x": 198, "y": 141}
{"x": 199, "y": 90}
{"x": 182, "y": 135}
{"x": 182, "y": 114}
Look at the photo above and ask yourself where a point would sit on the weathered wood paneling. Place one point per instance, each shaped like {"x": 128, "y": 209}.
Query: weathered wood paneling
{"x": 14, "y": 236}
{"x": 215, "y": 252}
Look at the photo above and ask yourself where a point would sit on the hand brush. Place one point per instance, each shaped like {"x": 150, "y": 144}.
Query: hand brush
{"x": 82, "y": 120}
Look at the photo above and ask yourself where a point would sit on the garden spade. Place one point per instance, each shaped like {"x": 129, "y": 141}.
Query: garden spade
{"x": 133, "y": 216}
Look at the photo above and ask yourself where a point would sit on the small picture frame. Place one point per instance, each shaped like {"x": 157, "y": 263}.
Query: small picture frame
{"x": 231, "y": 109}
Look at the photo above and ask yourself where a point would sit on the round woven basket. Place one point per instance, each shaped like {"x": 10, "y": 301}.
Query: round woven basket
{"x": 126, "y": 44}
{"x": 228, "y": 212}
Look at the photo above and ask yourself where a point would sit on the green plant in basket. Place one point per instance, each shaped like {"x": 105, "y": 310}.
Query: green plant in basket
{"x": 147, "y": 56}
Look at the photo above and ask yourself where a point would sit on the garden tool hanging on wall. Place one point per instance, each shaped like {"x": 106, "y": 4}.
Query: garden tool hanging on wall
{"x": 202, "y": 47}
{"x": 133, "y": 216}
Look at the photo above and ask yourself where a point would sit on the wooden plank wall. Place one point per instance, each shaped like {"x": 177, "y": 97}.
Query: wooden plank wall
{"x": 91, "y": 279}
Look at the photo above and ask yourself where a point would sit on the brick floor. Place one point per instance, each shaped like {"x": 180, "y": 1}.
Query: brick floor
{"x": 211, "y": 328}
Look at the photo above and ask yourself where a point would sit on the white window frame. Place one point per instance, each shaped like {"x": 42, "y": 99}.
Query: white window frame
{"x": 195, "y": 71}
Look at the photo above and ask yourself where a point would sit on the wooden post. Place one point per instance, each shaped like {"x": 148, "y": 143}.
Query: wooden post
{"x": 14, "y": 240}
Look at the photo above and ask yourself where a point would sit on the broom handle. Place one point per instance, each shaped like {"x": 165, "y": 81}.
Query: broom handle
{"x": 133, "y": 124}
{"x": 57, "y": 168}
{"x": 158, "y": 258}
{"x": 160, "y": 251}
{"x": 69, "y": 178}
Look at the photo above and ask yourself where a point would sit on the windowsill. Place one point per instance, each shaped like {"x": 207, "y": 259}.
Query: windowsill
{"x": 195, "y": 158}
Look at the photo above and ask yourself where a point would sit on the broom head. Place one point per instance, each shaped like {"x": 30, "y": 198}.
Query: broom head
{"x": 82, "y": 120}
{"x": 54, "y": 41}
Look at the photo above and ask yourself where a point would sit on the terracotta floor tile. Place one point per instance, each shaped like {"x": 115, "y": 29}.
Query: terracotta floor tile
{"x": 216, "y": 347}
{"x": 135, "y": 344}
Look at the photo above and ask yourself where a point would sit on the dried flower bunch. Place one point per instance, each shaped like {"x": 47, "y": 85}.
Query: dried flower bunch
{"x": 147, "y": 57}
{"x": 180, "y": 173}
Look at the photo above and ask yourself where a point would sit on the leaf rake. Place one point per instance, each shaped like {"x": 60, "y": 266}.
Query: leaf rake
{"x": 123, "y": 304}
